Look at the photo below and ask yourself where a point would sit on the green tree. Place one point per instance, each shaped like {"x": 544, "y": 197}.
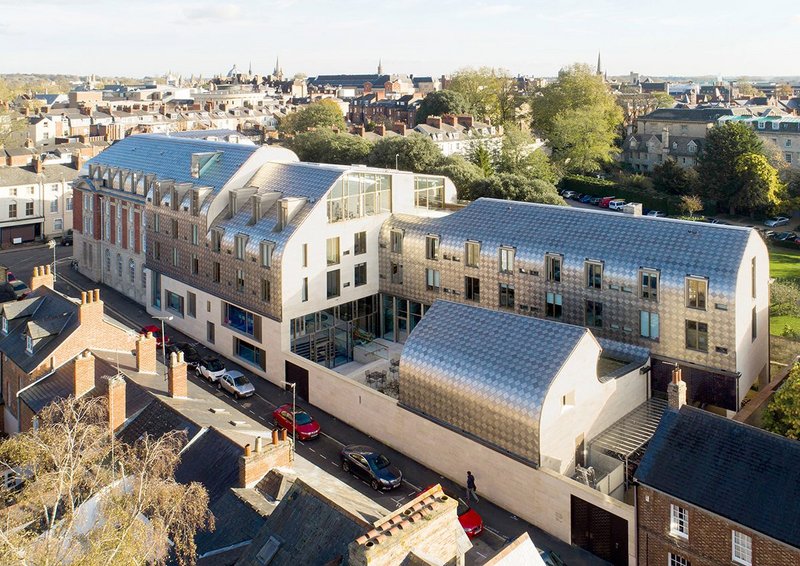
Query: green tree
{"x": 483, "y": 158}
{"x": 327, "y": 146}
{"x": 580, "y": 117}
{"x": 12, "y": 123}
{"x": 441, "y": 102}
{"x": 324, "y": 114}
{"x": 510, "y": 186}
{"x": 663, "y": 100}
{"x": 517, "y": 155}
{"x": 784, "y": 90}
{"x": 463, "y": 173}
{"x": 760, "y": 185}
{"x": 782, "y": 415}
{"x": 746, "y": 88}
{"x": 672, "y": 179}
{"x": 490, "y": 94}
{"x": 414, "y": 152}
{"x": 691, "y": 204}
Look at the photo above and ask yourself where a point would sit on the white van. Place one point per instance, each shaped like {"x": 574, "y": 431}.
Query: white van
{"x": 616, "y": 204}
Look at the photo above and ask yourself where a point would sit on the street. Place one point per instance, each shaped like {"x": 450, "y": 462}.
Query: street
{"x": 500, "y": 526}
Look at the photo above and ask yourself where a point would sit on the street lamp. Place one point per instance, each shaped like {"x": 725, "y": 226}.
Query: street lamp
{"x": 164, "y": 341}
{"x": 52, "y": 245}
{"x": 396, "y": 161}
{"x": 294, "y": 415}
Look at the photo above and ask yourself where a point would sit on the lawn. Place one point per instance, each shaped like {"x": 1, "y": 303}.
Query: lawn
{"x": 784, "y": 264}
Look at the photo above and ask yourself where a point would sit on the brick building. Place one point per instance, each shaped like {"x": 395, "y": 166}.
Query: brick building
{"x": 715, "y": 491}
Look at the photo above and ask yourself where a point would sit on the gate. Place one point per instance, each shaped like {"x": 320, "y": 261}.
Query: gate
{"x": 299, "y": 376}
{"x": 599, "y": 532}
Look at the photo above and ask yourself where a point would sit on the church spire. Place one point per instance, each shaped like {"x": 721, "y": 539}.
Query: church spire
{"x": 380, "y": 67}
{"x": 599, "y": 67}
{"x": 250, "y": 69}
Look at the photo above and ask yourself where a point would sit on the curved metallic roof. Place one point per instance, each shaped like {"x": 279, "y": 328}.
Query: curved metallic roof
{"x": 485, "y": 371}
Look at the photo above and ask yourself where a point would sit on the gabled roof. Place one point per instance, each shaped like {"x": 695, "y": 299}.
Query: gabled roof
{"x": 158, "y": 419}
{"x": 708, "y": 115}
{"x": 349, "y": 80}
{"x": 742, "y": 473}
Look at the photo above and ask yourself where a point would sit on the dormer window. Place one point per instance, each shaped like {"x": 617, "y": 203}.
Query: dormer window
{"x": 5, "y": 325}
{"x": 28, "y": 344}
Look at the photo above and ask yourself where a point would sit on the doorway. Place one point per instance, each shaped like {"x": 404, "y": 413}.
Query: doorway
{"x": 602, "y": 533}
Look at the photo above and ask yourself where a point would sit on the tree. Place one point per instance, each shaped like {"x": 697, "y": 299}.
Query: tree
{"x": 518, "y": 155}
{"x": 746, "y": 88}
{"x": 324, "y": 114}
{"x": 483, "y": 158}
{"x": 760, "y": 185}
{"x": 441, "y": 102}
{"x": 72, "y": 462}
{"x": 327, "y": 146}
{"x": 663, "y": 100}
{"x": 579, "y": 116}
{"x": 490, "y": 94}
{"x": 672, "y": 179}
{"x": 724, "y": 145}
{"x": 12, "y": 123}
{"x": 510, "y": 186}
{"x": 784, "y": 90}
{"x": 782, "y": 415}
{"x": 691, "y": 204}
{"x": 464, "y": 174}
{"x": 414, "y": 152}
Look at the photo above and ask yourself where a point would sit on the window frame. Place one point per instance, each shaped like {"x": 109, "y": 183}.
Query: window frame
{"x": 738, "y": 545}
{"x": 432, "y": 247}
{"x": 330, "y": 275}
{"x": 358, "y": 281}
{"x": 433, "y": 279}
{"x": 557, "y": 303}
{"x": 396, "y": 241}
{"x": 360, "y": 243}
{"x": 507, "y": 256}
{"x": 590, "y": 275}
{"x": 695, "y": 346}
{"x": 506, "y": 296}
{"x": 647, "y": 292}
{"x": 472, "y": 253}
{"x": 678, "y": 521}
{"x": 650, "y": 316}
{"x": 593, "y": 312}
{"x": 472, "y": 289}
{"x": 691, "y": 281}
{"x": 333, "y": 251}
{"x": 554, "y": 265}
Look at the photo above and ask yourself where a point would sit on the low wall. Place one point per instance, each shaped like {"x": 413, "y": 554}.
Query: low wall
{"x": 538, "y": 496}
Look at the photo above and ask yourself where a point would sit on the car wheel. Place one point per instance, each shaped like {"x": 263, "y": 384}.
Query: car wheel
{"x": 219, "y": 385}
{"x": 345, "y": 466}
{"x": 375, "y": 485}
{"x": 236, "y": 394}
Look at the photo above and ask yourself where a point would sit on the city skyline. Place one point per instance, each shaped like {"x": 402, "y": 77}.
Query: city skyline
{"x": 531, "y": 38}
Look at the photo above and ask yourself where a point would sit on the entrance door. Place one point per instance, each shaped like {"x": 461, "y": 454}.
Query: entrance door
{"x": 298, "y": 375}
{"x": 599, "y": 532}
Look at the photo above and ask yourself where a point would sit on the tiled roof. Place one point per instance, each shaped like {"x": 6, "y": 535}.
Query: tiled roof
{"x": 203, "y": 134}
{"x": 157, "y": 419}
{"x": 461, "y": 360}
{"x": 687, "y": 114}
{"x": 15, "y": 176}
{"x": 742, "y": 473}
{"x": 349, "y": 80}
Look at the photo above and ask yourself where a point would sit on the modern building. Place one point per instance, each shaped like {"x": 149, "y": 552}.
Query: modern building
{"x": 715, "y": 491}
{"x": 783, "y": 131}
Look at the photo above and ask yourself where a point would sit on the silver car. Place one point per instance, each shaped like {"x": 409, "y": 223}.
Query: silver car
{"x": 777, "y": 221}
{"x": 235, "y": 383}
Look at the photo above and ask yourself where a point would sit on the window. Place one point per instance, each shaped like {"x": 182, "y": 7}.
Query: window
{"x": 240, "y": 242}
{"x": 156, "y": 222}
{"x": 472, "y": 289}
{"x": 304, "y": 290}
{"x": 697, "y": 335}
{"x": 265, "y": 253}
{"x": 240, "y": 280}
{"x": 788, "y": 143}
{"x": 675, "y": 560}
{"x": 119, "y": 265}
{"x": 788, "y": 158}
{"x": 648, "y": 325}
{"x": 334, "y": 283}
{"x": 429, "y": 192}
{"x": 506, "y": 260}
{"x": 433, "y": 279}
{"x": 191, "y": 304}
{"x": 131, "y": 230}
{"x": 304, "y": 260}
{"x": 28, "y": 209}
{"x": 144, "y": 277}
{"x": 753, "y": 276}
{"x": 678, "y": 521}
{"x": 215, "y": 272}
{"x": 397, "y": 273}
{"x": 58, "y": 224}
{"x": 594, "y": 314}
{"x": 553, "y": 306}
{"x": 360, "y": 243}
{"x": 332, "y": 250}
{"x": 754, "y": 324}
{"x": 241, "y": 320}
{"x": 432, "y": 247}
{"x": 12, "y": 210}
{"x": 249, "y": 353}
{"x": 472, "y": 254}
{"x": 175, "y": 257}
{"x": 195, "y": 205}
{"x": 266, "y": 291}
{"x": 195, "y": 264}
{"x": 396, "y": 237}
{"x": 648, "y": 285}
{"x": 108, "y": 260}
{"x": 553, "y": 265}
{"x": 195, "y": 237}
{"x": 506, "y": 296}
{"x": 13, "y": 193}
{"x": 210, "y": 332}
{"x": 54, "y": 205}
{"x": 696, "y": 292}
{"x": 741, "y": 548}
{"x": 157, "y": 250}
{"x": 174, "y": 302}
{"x": 69, "y": 203}
{"x": 360, "y": 275}
{"x": 594, "y": 275}
{"x": 131, "y": 270}
{"x": 28, "y": 344}
{"x": 216, "y": 241}
{"x": 360, "y": 194}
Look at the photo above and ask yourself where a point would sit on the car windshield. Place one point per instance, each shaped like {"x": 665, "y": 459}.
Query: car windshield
{"x": 214, "y": 365}
{"x": 301, "y": 417}
{"x": 240, "y": 380}
{"x": 378, "y": 461}
{"x": 462, "y": 507}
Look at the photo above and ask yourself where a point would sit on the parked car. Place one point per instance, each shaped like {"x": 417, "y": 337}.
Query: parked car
{"x": 717, "y": 221}
{"x": 605, "y": 200}
{"x": 595, "y": 201}
{"x": 210, "y": 368}
{"x": 776, "y": 221}
{"x": 786, "y": 237}
{"x": 235, "y": 383}
{"x": 586, "y": 199}
{"x": 160, "y": 340}
{"x": 302, "y": 423}
{"x": 370, "y": 465}
{"x": 656, "y": 214}
{"x": 66, "y": 239}
{"x": 568, "y": 194}
{"x": 471, "y": 522}
{"x": 616, "y": 204}
{"x": 190, "y": 354}
{"x": 20, "y": 289}
{"x": 550, "y": 558}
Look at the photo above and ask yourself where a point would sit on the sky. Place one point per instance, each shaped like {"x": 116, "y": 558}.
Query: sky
{"x": 423, "y": 37}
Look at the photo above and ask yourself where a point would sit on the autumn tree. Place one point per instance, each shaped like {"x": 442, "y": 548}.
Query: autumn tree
{"x": 691, "y": 204}
{"x": 782, "y": 415}
{"x": 440, "y": 102}
{"x": 784, "y": 90}
{"x": 746, "y": 88}
{"x": 85, "y": 498}
{"x": 324, "y": 114}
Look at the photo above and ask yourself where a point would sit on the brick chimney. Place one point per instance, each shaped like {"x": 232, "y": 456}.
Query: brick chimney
{"x": 37, "y": 164}
{"x": 676, "y": 391}
{"x": 83, "y": 374}
{"x": 434, "y": 121}
{"x": 146, "y": 353}
{"x": 116, "y": 401}
{"x": 90, "y": 313}
{"x": 399, "y": 128}
{"x": 41, "y": 276}
{"x": 77, "y": 160}
{"x": 177, "y": 376}
{"x": 466, "y": 120}
{"x": 380, "y": 129}
{"x": 358, "y": 130}
{"x": 254, "y": 465}
{"x": 450, "y": 119}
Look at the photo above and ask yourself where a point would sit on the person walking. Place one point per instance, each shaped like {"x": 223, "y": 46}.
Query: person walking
{"x": 472, "y": 491}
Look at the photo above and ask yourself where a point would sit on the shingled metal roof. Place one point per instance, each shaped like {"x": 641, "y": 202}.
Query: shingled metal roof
{"x": 485, "y": 371}
{"x": 739, "y": 472}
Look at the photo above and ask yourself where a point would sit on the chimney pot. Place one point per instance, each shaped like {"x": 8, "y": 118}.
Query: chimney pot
{"x": 283, "y": 435}
{"x": 275, "y": 437}
{"x": 259, "y": 444}
{"x": 246, "y": 450}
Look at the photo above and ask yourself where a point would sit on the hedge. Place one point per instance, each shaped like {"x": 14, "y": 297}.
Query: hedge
{"x": 605, "y": 188}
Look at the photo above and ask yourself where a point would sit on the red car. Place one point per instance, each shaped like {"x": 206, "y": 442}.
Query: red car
{"x": 156, "y": 332}
{"x": 307, "y": 428}
{"x": 471, "y": 522}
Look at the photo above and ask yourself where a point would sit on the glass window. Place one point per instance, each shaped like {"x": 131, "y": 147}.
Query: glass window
{"x": 433, "y": 279}
{"x": 396, "y": 237}
{"x": 304, "y": 259}
{"x": 108, "y": 260}
{"x": 265, "y": 251}
{"x": 553, "y": 307}
{"x": 266, "y": 291}
{"x": 696, "y": 293}
{"x": 191, "y": 304}
{"x": 472, "y": 254}
{"x": 648, "y": 324}
{"x": 429, "y": 192}
{"x": 28, "y": 209}
{"x": 754, "y": 324}
{"x": 131, "y": 270}
{"x": 195, "y": 236}
{"x": 240, "y": 280}
{"x": 594, "y": 275}
{"x": 594, "y": 314}
{"x": 156, "y": 222}
{"x": 119, "y": 265}
{"x": 397, "y": 273}
{"x": 240, "y": 243}
{"x": 357, "y": 195}
{"x": 472, "y": 289}
{"x": 697, "y": 335}
{"x": 432, "y": 247}
{"x": 174, "y": 302}
{"x": 741, "y": 548}
{"x": 507, "y": 260}
{"x": 54, "y": 205}
{"x": 360, "y": 243}
{"x": 69, "y": 203}
{"x": 506, "y": 296}
{"x": 175, "y": 257}
{"x": 678, "y": 521}
{"x": 12, "y": 211}
{"x": 58, "y": 224}
{"x": 553, "y": 265}
{"x": 304, "y": 290}
{"x": 675, "y": 560}
{"x": 360, "y": 275}
{"x": 215, "y": 272}
{"x": 157, "y": 250}
{"x": 332, "y": 250}
{"x": 195, "y": 264}
{"x": 216, "y": 240}
{"x": 648, "y": 285}
{"x": 249, "y": 353}
{"x": 334, "y": 283}
{"x": 210, "y": 332}
{"x": 240, "y": 320}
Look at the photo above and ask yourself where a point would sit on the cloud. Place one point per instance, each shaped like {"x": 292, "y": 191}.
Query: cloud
{"x": 218, "y": 12}
{"x": 488, "y": 10}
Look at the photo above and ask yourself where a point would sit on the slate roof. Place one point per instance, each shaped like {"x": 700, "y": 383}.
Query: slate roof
{"x": 687, "y": 114}
{"x": 205, "y": 134}
{"x": 16, "y": 176}
{"x": 739, "y": 472}
{"x": 157, "y": 419}
{"x": 470, "y": 366}
{"x": 349, "y": 80}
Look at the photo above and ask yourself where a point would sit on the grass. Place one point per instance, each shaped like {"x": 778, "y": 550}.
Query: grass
{"x": 784, "y": 264}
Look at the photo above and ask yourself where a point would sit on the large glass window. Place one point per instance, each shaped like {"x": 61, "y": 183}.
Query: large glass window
{"x": 360, "y": 243}
{"x": 553, "y": 266}
{"x": 649, "y": 324}
{"x": 553, "y": 305}
{"x": 241, "y": 320}
{"x": 648, "y": 285}
{"x": 741, "y": 548}
{"x": 506, "y": 296}
{"x": 397, "y": 273}
{"x": 472, "y": 253}
{"x": 472, "y": 289}
{"x": 429, "y": 192}
{"x": 506, "y": 260}
{"x": 433, "y": 279}
{"x": 334, "y": 283}
{"x": 432, "y": 247}
{"x": 174, "y": 302}
{"x": 697, "y": 335}
{"x": 696, "y": 293}
{"x": 360, "y": 275}
{"x": 360, "y": 194}
{"x": 249, "y": 353}
{"x": 265, "y": 251}
{"x": 594, "y": 314}
{"x": 332, "y": 247}
{"x": 240, "y": 243}
{"x": 396, "y": 237}
{"x": 594, "y": 275}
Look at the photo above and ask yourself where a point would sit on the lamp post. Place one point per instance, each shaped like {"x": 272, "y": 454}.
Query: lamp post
{"x": 397, "y": 161}
{"x": 294, "y": 415}
{"x": 52, "y": 245}
{"x": 164, "y": 342}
